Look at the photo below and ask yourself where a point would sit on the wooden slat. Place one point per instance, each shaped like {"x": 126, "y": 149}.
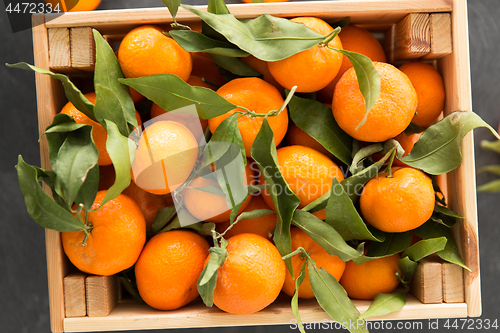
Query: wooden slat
{"x": 462, "y": 181}
{"x": 75, "y": 303}
{"x": 134, "y": 316}
{"x": 388, "y": 43}
{"x": 102, "y": 295}
{"x": 411, "y": 37}
{"x": 453, "y": 283}
{"x": 49, "y": 98}
{"x": 441, "y": 40}
{"x": 361, "y": 12}
{"x": 82, "y": 48}
{"x": 59, "y": 49}
{"x": 427, "y": 283}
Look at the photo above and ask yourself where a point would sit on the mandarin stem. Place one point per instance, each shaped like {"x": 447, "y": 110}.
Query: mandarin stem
{"x": 331, "y": 36}
{"x": 389, "y": 166}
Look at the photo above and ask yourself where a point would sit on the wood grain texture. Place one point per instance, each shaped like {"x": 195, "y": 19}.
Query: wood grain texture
{"x": 82, "y": 48}
{"x": 462, "y": 181}
{"x": 389, "y": 43}
{"x": 49, "y": 98}
{"x": 59, "y": 49}
{"x": 75, "y": 303}
{"x": 412, "y": 37}
{"x": 361, "y": 12}
{"x": 102, "y": 295}
{"x": 453, "y": 283}
{"x": 427, "y": 283}
{"x": 131, "y": 315}
{"x": 440, "y": 34}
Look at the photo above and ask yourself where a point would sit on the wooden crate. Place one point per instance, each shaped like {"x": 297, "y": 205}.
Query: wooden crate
{"x": 389, "y": 16}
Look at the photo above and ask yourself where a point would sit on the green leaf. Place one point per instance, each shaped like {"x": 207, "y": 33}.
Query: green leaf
{"x": 230, "y": 172}
{"x": 214, "y": 7}
{"x": 333, "y": 298}
{"x": 316, "y": 119}
{"x": 446, "y": 211}
{"x": 444, "y": 215}
{"x": 362, "y": 154}
{"x": 189, "y": 222}
{"x": 171, "y": 93}
{"x": 121, "y": 150}
{"x": 392, "y": 244}
{"x": 225, "y": 136}
{"x": 439, "y": 149}
{"x": 491, "y": 145}
{"x": 264, "y": 153}
{"x": 266, "y": 37}
{"x": 73, "y": 94}
{"x": 45, "y": 211}
{"x": 162, "y": 217}
{"x": 368, "y": 79}
{"x": 342, "y": 215}
{"x": 57, "y": 133}
{"x": 113, "y": 101}
{"x": 495, "y": 169}
{"x": 212, "y": 189}
{"x": 443, "y": 219}
{"x": 208, "y": 277}
{"x": 50, "y": 178}
{"x": 217, "y": 7}
{"x": 234, "y": 66}
{"x": 254, "y": 214}
{"x": 295, "y": 298}
{"x": 62, "y": 123}
{"x": 318, "y": 204}
{"x": 408, "y": 267}
{"x": 493, "y": 186}
{"x": 173, "y": 6}
{"x": 76, "y": 156}
{"x": 342, "y": 23}
{"x": 385, "y": 303}
{"x": 323, "y": 234}
{"x": 193, "y": 41}
{"x": 88, "y": 191}
{"x": 425, "y": 248}
{"x": 450, "y": 253}
{"x": 226, "y": 147}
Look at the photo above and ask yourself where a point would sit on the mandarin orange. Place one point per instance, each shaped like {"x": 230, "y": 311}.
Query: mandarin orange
{"x": 258, "y": 96}
{"x": 251, "y": 277}
{"x": 116, "y": 237}
{"x": 429, "y": 86}
{"x": 168, "y": 269}
{"x": 354, "y": 39}
{"x": 312, "y": 69}
{"x": 367, "y": 280}
{"x": 389, "y": 116}
{"x": 147, "y": 51}
{"x": 331, "y": 263}
{"x": 399, "y": 203}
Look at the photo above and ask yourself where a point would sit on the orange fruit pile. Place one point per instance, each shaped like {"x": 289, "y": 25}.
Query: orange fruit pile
{"x": 169, "y": 264}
